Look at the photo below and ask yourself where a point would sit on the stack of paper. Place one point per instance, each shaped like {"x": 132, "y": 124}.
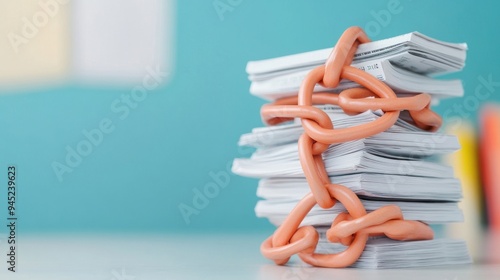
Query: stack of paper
{"x": 403, "y": 62}
{"x": 388, "y": 253}
{"x": 397, "y": 167}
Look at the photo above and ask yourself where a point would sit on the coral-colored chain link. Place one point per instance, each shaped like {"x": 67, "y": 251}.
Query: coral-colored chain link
{"x": 354, "y": 227}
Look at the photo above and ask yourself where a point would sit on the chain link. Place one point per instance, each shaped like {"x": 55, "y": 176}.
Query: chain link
{"x": 352, "y": 228}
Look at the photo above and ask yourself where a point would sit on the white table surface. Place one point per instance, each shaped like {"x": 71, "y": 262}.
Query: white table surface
{"x": 190, "y": 256}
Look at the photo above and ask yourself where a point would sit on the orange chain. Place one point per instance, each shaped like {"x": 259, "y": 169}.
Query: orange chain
{"x": 354, "y": 227}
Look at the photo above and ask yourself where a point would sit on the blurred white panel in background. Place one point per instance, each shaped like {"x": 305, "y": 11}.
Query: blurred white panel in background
{"x": 115, "y": 41}
{"x": 34, "y": 42}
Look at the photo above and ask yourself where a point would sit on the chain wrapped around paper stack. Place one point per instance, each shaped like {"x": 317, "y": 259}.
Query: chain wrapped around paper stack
{"x": 354, "y": 227}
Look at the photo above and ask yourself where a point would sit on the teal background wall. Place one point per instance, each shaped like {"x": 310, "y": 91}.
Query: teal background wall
{"x": 164, "y": 151}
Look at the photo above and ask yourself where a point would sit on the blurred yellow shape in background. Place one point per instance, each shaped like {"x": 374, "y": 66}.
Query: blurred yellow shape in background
{"x": 465, "y": 163}
{"x": 34, "y": 41}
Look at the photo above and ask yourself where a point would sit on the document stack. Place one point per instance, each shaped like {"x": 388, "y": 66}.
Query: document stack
{"x": 397, "y": 167}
